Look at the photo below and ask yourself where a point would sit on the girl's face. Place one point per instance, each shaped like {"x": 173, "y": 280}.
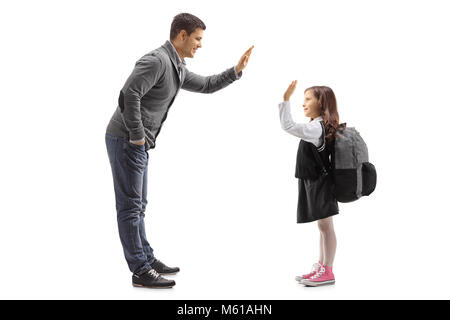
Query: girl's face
{"x": 311, "y": 106}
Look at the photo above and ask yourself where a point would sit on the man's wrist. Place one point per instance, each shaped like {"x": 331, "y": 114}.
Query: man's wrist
{"x": 237, "y": 73}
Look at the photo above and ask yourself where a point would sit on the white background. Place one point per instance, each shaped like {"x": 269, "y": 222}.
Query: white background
{"x": 222, "y": 192}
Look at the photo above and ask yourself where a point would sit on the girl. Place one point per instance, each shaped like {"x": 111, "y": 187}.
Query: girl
{"x": 316, "y": 199}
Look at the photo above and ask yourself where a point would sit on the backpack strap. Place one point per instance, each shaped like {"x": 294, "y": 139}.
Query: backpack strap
{"x": 322, "y": 147}
{"x": 316, "y": 150}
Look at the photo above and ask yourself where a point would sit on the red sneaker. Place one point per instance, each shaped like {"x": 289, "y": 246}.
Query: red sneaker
{"x": 315, "y": 268}
{"x": 322, "y": 277}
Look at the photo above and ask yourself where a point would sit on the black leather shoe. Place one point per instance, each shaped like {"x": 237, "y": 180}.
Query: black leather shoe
{"x": 151, "y": 279}
{"x": 163, "y": 269}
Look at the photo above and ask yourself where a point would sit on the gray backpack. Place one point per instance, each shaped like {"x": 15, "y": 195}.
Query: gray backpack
{"x": 354, "y": 176}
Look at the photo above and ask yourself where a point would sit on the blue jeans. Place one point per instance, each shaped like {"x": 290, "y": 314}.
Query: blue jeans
{"x": 129, "y": 163}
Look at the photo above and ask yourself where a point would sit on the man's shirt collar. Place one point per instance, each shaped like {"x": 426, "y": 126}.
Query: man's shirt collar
{"x": 180, "y": 62}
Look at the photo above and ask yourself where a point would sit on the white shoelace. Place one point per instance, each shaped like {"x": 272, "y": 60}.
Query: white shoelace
{"x": 154, "y": 273}
{"x": 315, "y": 267}
{"x": 319, "y": 273}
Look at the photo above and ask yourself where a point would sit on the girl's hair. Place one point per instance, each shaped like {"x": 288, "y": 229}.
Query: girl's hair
{"x": 328, "y": 111}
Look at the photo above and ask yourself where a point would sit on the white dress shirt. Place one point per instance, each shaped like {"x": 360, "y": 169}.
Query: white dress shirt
{"x": 180, "y": 63}
{"x": 311, "y": 131}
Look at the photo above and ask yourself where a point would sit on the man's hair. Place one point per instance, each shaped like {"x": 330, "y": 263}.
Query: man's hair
{"x": 185, "y": 21}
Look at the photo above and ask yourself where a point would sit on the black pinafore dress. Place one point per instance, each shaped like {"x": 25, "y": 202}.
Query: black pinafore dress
{"x": 316, "y": 198}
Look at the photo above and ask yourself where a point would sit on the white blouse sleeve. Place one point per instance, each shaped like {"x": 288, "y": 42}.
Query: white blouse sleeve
{"x": 311, "y": 132}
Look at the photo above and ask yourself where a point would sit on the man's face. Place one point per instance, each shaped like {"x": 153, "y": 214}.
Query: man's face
{"x": 192, "y": 42}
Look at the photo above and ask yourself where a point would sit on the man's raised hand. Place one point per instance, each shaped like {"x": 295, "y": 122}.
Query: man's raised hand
{"x": 244, "y": 60}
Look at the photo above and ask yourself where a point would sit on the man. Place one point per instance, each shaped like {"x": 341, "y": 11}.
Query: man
{"x": 144, "y": 102}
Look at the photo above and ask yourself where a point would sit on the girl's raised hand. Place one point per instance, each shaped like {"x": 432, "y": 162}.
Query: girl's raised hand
{"x": 290, "y": 90}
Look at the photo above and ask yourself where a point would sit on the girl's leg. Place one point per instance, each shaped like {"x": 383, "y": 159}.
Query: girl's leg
{"x": 328, "y": 235}
{"x": 321, "y": 256}
{"x": 325, "y": 274}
